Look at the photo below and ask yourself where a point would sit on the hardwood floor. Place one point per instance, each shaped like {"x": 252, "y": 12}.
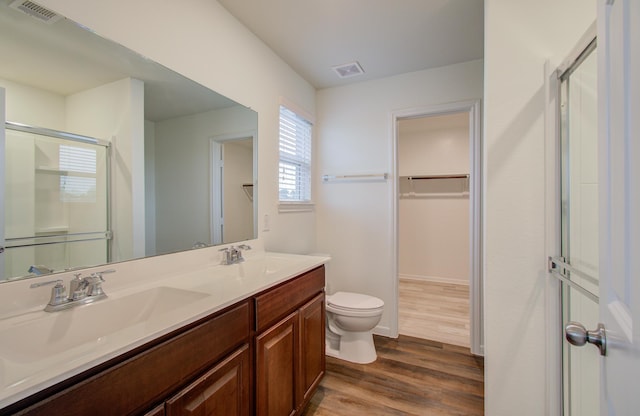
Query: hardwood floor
{"x": 435, "y": 311}
{"x": 410, "y": 377}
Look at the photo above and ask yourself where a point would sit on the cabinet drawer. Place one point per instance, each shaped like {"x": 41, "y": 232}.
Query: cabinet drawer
{"x": 223, "y": 390}
{"x": 137, "y": 383}
{"x": 276, "y": 303}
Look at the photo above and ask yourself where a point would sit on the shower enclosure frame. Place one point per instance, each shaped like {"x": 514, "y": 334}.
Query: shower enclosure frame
{"x": 554, "y": 184}
{"x": 34, "y": 240}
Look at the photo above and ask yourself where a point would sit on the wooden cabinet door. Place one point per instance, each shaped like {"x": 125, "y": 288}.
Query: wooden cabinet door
{"x": 276, "y": 378}
{"x": 224, "y": 390}
{"x": 312, "y": 347}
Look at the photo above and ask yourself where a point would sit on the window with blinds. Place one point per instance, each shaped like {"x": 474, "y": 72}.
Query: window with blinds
{"x": 295, "y": 157}
{"x": 79, "y": 184}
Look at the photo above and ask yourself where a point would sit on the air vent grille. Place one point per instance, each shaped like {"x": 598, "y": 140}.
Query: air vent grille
{"x": 348, "y": 70}
{"x": 35, "y": 10}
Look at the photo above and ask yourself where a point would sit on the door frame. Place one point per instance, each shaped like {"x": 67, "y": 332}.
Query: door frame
{"x": 476, "y": 218}
{"x": 216, "y": 175}
{"x": 2, "y": 181}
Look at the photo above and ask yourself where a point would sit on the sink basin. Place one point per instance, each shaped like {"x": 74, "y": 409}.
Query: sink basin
{"x": 260, "y": 266}
{"x": 89, "y": 325}
{"x": 234, "y": 278}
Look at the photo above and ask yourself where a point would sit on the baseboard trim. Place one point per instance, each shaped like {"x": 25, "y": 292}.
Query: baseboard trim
{"x": 385, "y": 331}
{"x": 435, "y": 279}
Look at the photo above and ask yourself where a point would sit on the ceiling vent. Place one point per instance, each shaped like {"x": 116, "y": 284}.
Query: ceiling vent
{"x": 348, "y": 70}
{"x": 36, "y": 11}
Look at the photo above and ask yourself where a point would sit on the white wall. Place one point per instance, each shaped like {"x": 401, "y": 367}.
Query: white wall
{"x": 33, "y": 106}
{"x": 433, "y": 224}
{"x": 204, "y": 42}
{"x": 434, "y": 145}
{"x": 238, "y": 207}
{"x": 354, "y": 136}
{"x": 519, "y": 38}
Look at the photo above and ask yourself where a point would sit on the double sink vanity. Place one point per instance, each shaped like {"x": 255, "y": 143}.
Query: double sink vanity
{"x": 234, "y": 339}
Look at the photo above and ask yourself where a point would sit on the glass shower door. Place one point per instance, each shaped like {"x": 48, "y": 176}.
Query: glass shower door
{"x": 55, "y": 202}
{"x": 579, "y": 230}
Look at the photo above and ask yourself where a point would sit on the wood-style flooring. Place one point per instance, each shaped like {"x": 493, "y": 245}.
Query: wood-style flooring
{"x": 435, "y": 311}
{"x": 410, "y": 377}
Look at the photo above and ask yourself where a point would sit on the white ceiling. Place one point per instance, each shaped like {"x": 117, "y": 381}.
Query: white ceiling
{"x": 387, "y": 37}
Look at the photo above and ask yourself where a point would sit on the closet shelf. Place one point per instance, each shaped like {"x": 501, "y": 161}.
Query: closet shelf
{"x": 422, "y": 177}
{"x": 416, "y": 195}
{"x": 434, "y": 186}
{"x": 356, "y": 178}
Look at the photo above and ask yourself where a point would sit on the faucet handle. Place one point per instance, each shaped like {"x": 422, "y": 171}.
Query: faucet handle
{"x": 226, "y": 255}
{"x": 58, "y": 292}
{"x": 77, "y": 285}
{"x": 244, "y": 247}
{"x": 48, "y": 282}
{"x": 99, "y": 274}
{"x": 95, "y": 283}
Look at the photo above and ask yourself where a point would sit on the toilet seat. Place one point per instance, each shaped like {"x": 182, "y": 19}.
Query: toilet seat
{"x": 354, "y": 304}
{"x": 351, "y": 319}
{"x": 351, "y": 300}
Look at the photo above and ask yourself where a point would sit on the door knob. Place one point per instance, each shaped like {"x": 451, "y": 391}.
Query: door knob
{"x": 577, "y": 335}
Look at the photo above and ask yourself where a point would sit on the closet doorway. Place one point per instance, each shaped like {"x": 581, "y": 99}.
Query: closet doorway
{"x": 438, "y": 224}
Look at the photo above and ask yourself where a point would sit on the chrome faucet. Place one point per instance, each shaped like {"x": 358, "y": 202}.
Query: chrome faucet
{"x": 233, "y": 255}
{"x": 82, "y": 290}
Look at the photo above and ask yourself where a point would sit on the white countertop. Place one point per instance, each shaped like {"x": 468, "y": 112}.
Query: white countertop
{"x": 34, "y": 353}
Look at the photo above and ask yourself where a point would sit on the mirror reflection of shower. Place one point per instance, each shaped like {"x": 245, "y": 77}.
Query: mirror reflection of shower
{"x": 56, "y": 201}
{"x": 62, "y": 76}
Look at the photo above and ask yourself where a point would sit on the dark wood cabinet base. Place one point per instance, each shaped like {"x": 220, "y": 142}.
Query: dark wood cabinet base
{"x": 263, "y": 355}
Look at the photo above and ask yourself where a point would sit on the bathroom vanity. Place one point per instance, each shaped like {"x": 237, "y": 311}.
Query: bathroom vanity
{"x": 258, "y": 349}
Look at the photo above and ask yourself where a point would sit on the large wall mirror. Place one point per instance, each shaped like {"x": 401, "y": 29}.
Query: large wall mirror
{"x": 108, "y": 156}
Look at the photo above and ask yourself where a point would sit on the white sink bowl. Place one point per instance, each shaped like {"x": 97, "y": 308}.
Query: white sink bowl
{"x": 88, "y": 325}
{"x": 257, "y": 267}
{"x": 233, "y": 278}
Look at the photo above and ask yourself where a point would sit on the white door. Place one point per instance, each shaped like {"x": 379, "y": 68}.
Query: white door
{"x": 619, "y": 202}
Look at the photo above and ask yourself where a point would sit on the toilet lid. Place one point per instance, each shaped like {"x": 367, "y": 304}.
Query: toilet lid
{"x": 350, "y": 300}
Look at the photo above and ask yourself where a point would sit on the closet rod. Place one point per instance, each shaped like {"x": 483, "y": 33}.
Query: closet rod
{"x": 378, "y": 176}
{"x": 461, "y": 176}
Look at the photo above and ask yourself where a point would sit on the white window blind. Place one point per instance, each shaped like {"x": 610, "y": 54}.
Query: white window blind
{"x": 295, "y": 157}
{"x": 80, "y": 184}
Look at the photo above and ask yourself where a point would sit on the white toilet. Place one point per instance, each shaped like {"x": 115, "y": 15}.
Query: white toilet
{"x": 351, "y": 318}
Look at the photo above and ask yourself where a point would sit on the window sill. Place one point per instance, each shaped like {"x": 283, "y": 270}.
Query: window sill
{"x": 296, "y": 207}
